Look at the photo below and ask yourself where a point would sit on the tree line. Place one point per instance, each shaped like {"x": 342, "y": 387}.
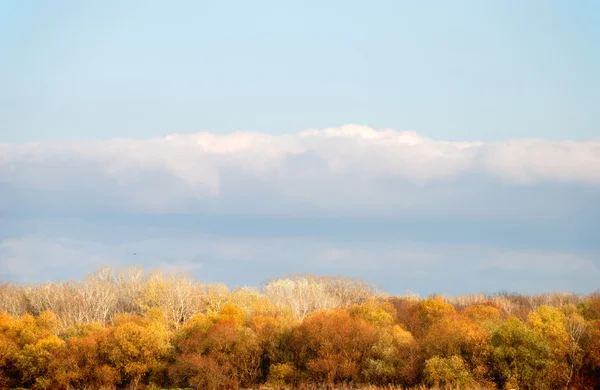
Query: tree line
{"x": 131, "y": 329}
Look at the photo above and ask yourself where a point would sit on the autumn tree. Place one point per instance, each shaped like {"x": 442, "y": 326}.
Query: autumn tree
{"x": 217, "y": 351}
{"x": 431, "y": 311}
{"x": 135, "y": 346}
{"x": 394, "y": 358}
{"x": 562, "y": 333}
{"x": 455, "y": 335}
{"x": 81, "y": 364}
{"x": 332, "y": 347}
{"x": 519, "y": 356}
{"x": 589, "y": 374}
{"x": 27, "y": 345}
{"x": 450, "y": 371}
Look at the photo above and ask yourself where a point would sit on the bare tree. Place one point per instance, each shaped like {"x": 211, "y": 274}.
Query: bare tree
{"x": 129, "y": 283}
{"x": 176, "y": 295}
{"x": 12, "y": 299}
{"x": 99, "y": 291}
{"x": 302, "y": 295}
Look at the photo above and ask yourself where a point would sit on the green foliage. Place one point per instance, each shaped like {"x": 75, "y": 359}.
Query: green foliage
{"x": 394, "y": 358}
{"x": 448, "y": 372}
{"x": 283, "y": 374}
{"x": 519, "y": 356}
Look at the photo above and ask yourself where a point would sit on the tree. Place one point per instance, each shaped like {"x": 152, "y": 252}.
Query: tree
{"x": 305, "y": 294}
{"x": 136, "y": 346}
{"x": 562, "y": 333}
{"x": 176, "y": 295}
{"x": 449, "y": 371}
{"x": 519, "y": 356}
{"x": 379, "y": 313}
{"x": 394, "y": 358}
{"x": 483, "y": 314}
{"x": 302, "y": 295}
{"x": 26, "y": 346}
{"x": 457, "y": 335}
{"x": 218, "y": 351}
{"x": 589, "y": 376}
{"x": 81, "y": 364}
{"x": 34, "y": 359}
{"x": 332, "y": 347}
{"x": 12, "y": 299}
{"x": 431, "y": 311}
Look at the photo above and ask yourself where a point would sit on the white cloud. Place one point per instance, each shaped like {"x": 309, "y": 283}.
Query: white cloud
{"x": 351, "y": 169}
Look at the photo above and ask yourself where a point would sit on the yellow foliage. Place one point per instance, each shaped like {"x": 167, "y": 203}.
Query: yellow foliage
{"x": 33, "y": 359}
{"x": 81, "y": 330}
{"x": 135, "y": 345}
{"x": 377, "y": 313}
{"x": 230, "y": 312}
{"x": 432, "y": 310}
{"x": 448, "y": 372}
{"x": 400, "y": 336}
{"x": 482, "y": 313}
{"x": 282, "y": 374}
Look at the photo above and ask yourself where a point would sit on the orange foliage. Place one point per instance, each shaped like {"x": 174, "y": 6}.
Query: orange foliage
{"x": 223, "y": 355}
{"x": 332, "y": 346}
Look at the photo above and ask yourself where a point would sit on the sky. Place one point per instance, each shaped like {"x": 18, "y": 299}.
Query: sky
{"x": 436, "y": 147}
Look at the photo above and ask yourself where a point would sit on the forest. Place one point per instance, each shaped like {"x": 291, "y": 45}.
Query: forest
{"x": 131, "y": 329}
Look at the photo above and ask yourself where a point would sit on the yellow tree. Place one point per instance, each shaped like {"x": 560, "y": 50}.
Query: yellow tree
{"x": 34, "y": 359}
{"x": 431, "y": 311}
{"x": 26, "y": 346}
{"x": 562, "y": 333}
{"x": 136, "y": 346}
{"x": 457, "y": 335}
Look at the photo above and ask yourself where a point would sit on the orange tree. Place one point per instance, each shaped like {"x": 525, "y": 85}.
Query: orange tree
{"x": 217, "y": 351}
{"x": 332, "y": 347}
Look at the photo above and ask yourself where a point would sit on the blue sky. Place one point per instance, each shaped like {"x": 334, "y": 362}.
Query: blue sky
{"x": 427, "y": 146}
{"x": 461, "y": 70}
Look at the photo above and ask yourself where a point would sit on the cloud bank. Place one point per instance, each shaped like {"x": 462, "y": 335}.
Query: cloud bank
{"x": 351, "y": 169}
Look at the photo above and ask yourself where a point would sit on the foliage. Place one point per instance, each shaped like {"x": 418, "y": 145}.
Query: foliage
{"x": 520, "y": 356}
{"x": 451, "y": 371}
{"x": 219, "y": 352}
{"x": 126, "y": 330}
{"x": 331, "y": 346}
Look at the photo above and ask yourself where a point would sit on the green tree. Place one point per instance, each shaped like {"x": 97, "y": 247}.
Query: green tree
{"x": 520, "y": 356}
{"x": 448, "y": 372}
